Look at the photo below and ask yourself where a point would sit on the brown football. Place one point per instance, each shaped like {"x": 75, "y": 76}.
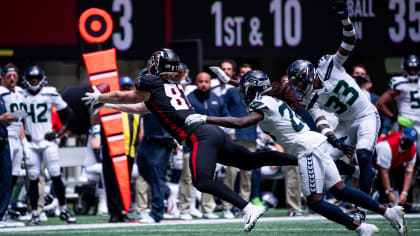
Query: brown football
{"x": 103, "y": 88}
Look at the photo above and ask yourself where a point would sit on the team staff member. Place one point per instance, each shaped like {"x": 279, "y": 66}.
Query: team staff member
{"x": 395, "y": 160}
{"x": 5, "y": 164}
{"x": 163, "y": 96}
{"x": 13, "y": 97}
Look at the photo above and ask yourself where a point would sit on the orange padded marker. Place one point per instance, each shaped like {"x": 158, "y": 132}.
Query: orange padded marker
{"x": 102, "y": 68}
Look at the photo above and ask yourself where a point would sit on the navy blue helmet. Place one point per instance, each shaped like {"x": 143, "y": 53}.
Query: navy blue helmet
{"x": 254, "y": 83}
{"x": 164, "y": 60}
{"x": 411, "y": 67}
{"x": 34, "y": 72}
{"x": 301, "y": 74}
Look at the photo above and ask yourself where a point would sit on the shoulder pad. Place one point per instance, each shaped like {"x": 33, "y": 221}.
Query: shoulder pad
{"x": 396, "y": 81}
{"x": 257, "y": 104}
{"x": 147, "y": 82}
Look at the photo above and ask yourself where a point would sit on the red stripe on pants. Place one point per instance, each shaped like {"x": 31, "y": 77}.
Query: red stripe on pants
{"x": 195, "y": 147}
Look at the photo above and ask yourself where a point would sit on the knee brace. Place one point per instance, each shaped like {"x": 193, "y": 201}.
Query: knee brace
{"x": 364, "y": 157}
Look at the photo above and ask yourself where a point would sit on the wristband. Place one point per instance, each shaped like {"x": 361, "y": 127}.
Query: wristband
{"x": 322, "y": 122}
{"x": 326, "y": 130}
{"x": 387, "y": 191}
{"x": 350, "y": 33}
{"x": 348, "y": 47}
{"x": 405, "y": 193}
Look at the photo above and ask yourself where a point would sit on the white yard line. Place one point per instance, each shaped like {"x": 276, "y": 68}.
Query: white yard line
{"x": 171, "y": 222}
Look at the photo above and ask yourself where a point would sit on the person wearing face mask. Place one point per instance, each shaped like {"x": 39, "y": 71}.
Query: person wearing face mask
{"x": 204, "y": 102}
{"x": 395, "y": 159}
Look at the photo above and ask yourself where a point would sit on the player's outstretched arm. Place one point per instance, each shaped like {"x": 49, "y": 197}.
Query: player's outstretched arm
{"x": 229, "y": 122}
{"x": 236, "y": 122}
{"x": 138, "y": 108}
{"x": 124, "y": 97}
{"x": 349, "y": 34}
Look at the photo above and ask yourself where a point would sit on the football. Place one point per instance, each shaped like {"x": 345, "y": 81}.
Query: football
{"x": 103, "y": 88}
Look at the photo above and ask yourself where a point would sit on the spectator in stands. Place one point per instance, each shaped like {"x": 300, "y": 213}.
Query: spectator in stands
{"x": 395, "y": 159}
{"x": 206, "y": 103}
{"x": 243, "y": 68}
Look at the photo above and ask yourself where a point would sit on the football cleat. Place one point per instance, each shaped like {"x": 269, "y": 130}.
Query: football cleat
{"x": 65, "y": 215}
{"x": 252, "y": 214}
{"x": 35, "y": 220}
{"x": 395, "y": 215}
{"x": 359, "y": 216}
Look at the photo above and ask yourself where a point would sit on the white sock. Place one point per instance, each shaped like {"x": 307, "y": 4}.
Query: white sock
{"x": 386, "y": 215}
{"x": 35, "y": 212}
{"x": 63, "y": 208}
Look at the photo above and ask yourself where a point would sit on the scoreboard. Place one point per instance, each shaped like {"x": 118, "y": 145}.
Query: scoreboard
{"x": 48, "y": 29}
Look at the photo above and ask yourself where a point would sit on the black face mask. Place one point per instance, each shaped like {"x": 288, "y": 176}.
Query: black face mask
{"x": 405, "y": 144}
{"x": 359, "y": 79}
{"x": 202, "y": 95}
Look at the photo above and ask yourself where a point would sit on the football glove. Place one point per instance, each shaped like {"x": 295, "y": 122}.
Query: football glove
{"x": 340, "y": 8}
{"x": 27, "y": 155}
{"x": 195, "y": 118}
{"x": 348, "y": 150}
{"x": 91, "y": 98}
{"x": 51, "y": 136}
{"x": 220, "y": 74}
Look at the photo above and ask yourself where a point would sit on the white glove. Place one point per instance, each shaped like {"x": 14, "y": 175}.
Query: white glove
{"x": 27, "y": 152}
{"x": 220, "y": 74}
{"x": 91, "y": 98}
{"x": 195, "y": 118}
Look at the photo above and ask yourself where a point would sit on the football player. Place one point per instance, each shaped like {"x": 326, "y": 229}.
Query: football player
{"x": 38, "y": 102}
{"x": 13, "y": 96}
{"x": 163, "y": 96}
{"x": 405, "y": 90}
{"x": 272, "y": 107}
{"x": 329, "y": 88}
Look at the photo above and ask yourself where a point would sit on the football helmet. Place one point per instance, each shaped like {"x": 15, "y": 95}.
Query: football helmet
{"x": 301, "y": 74}
{"x": 34, "y": 72}
{"x": 164, "y": 60}
{"x": 411, "y": 67}
{"x": 254, "y": 83}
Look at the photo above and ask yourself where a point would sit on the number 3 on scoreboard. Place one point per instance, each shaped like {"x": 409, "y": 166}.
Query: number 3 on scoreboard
{"x": 177, "y": 101}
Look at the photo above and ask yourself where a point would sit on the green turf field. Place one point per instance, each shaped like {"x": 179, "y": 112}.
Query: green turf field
{"x": 267, "y": 225}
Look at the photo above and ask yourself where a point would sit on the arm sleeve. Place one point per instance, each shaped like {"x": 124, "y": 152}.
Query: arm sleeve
{"x": 347, "y": 44}
{"x": 384, "y": 155}
{"x": 66, "y": 115}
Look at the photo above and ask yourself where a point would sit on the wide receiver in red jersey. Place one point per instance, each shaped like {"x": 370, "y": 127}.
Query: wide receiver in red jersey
{"x": 161, "y": 93}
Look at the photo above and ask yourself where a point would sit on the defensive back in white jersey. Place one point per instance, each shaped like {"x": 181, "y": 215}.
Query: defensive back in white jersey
{"x": 285, "y": 127}
{"x": 13, "y": 101}
{"x": 39, "y": 110}
{"x": 408, "y": 101}
{"x": 339, "y": 94}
